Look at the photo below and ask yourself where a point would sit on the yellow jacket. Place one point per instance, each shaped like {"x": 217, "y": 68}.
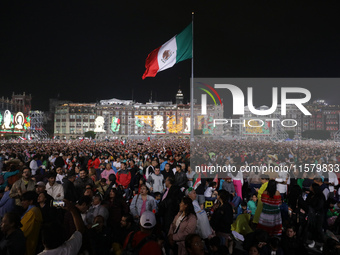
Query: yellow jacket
{"x": 259, "y": 203}
{"x": 31, "y": 224}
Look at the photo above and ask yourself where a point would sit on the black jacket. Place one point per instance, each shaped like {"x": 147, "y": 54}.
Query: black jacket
{"x": 80, "y": 184}
{"x": 168, "y": 174}
{"x": 70, "y": 192}
{"x": 181, "y": 179}
{"x": 169, "y": 207}
{"x": 222, "y": 218}
{"x": 59, "y": 162}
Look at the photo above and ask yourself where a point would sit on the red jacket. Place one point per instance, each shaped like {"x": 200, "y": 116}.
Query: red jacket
{"x": 93, "y": 163}
{"x": 123, "y": 178}
{"x": 150, "y": 247}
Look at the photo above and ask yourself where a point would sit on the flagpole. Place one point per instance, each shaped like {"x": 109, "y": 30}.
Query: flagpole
{"x": 192, "y": 85}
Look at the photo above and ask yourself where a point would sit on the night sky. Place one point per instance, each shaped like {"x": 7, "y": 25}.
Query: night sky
{"x": 86, "y": 51}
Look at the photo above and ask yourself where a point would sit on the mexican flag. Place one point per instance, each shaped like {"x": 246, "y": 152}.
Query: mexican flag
{"x": 197, "y": 181}
{"x": 177, "y": 49}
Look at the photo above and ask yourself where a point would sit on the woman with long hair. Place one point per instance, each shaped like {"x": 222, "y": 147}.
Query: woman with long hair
{"x": 222, "y": 218}
{"x": 270, "y": 218}
{"x": 117, "y": 208}
{"x": 183, "y": 224}
{"x": 48, "y": 212}
{"x": 93, "y": 174}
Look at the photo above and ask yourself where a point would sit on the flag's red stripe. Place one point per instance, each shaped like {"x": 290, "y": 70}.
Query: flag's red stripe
{"x": 151, "y": 64}
{"x": 218, "y": 96}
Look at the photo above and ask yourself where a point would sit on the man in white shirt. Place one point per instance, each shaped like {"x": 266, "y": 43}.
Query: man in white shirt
{"x": 52, "y": 236}
{"x": 34, "y": 165}
{"x": 282, "y": 182}
{"x": 117, "y": 163}
{"x": 54, "y": 189}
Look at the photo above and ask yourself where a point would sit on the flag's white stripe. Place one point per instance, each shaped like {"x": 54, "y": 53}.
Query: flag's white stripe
{"x": 167, "y": 49}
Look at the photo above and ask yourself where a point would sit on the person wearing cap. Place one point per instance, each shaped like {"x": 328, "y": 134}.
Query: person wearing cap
{"x": 147, "y": 223}
{"x": 21, "y": 186}
{"x": 13, "y": 241}
{"x": 54, "y": 189}
{"x": 40, "y": 187}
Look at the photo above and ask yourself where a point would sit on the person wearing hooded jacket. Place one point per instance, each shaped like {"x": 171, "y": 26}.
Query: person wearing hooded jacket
{"x": 155, "y": 181}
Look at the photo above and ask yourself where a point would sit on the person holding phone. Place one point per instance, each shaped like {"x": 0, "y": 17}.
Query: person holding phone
{"x": 52, "y": 236}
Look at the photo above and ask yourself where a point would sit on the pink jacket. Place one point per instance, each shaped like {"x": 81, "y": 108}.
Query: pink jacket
{"x": 106, "y": 173}
{"x": 186, "y": 227}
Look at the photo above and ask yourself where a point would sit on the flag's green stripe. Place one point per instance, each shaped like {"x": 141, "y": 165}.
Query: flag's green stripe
{"x": 184, "y": 44}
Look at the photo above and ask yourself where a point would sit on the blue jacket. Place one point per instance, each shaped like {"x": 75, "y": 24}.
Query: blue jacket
{"x": 6, "y": 204}
{"x": 162, "y": 166}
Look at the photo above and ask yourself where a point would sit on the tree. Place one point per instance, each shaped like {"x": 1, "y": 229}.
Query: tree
{"x": 90, "y": 134}
{"x": 291, "y": 134}
{"x": 316, "y": 134}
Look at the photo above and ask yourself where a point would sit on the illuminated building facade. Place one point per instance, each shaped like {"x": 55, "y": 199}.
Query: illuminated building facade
{"x": 72, "y": 120}
{"x": 125, "y": 118}
{"x": 14, "y": 114}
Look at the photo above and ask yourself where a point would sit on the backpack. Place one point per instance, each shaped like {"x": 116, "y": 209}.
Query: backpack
{"x": 129, "y": 250}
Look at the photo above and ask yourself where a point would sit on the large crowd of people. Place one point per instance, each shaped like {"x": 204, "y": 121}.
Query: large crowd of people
{"x": 147, "y": 197}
